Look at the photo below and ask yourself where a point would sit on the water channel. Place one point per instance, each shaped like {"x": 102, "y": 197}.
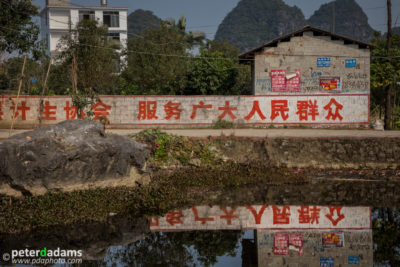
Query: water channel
{"x": 250, "y": 235}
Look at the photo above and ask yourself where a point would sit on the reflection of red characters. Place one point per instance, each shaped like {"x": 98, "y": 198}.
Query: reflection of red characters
{"x": 307, "y": 108}
{"x": 307, "y": 215}
{"x": 333, "y": 115}
{"x": 331, "y": 215}
{"x": 49, "y": 111}
{"x": 147, "y": 110}
{"x": 203, "y": 220}
{"x": 100, "y": 109}
{"x": 172, "y": 110}
{"x": 281, "y": 216}
{"x": 174, "y": 217}
{"x": 229, "y": 215}
{"x": 200, "y": 105}
{"x": 256, "y": 108}
{"x": 257, "y": 216}
{"x": 279, "y": 107}
{"x": 23, "y": 108}
{"x": 154, "y": 221}
{"x": 227, "y": 110}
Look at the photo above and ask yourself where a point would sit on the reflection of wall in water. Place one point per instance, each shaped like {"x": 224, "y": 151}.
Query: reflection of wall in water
{"x": 357, "y": 246}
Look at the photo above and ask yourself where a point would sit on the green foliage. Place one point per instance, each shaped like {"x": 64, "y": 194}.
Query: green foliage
{"x": 17, "y": 30}
{"x": 94, "y": 57}
{"x": 209, "y": 75}
{"x": 33, "y": 79}
{"x": 150, "y": 71}
{"x": 386, "y": 231}
{"x": 222, "y": 124}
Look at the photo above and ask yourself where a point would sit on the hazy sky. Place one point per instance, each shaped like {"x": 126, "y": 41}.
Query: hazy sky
{"x": 206, "y": 15}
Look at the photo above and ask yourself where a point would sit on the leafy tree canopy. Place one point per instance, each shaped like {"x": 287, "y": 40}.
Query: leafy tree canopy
{"x": 17, "y": 30}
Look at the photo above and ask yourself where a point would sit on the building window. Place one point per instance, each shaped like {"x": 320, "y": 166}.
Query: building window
{"x": 114, "y": 40}
{"x": 86, "y": 15}
{"x": 113, "y": 36}
{"x": 111, "y": 18}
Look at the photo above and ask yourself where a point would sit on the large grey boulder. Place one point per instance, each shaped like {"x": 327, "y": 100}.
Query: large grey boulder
{"x": 71, "y": 155}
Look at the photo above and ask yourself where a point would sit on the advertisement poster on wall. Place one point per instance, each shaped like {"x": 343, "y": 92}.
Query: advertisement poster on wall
{"x": 278, "y": 80}
{"x": 330, "y": 84}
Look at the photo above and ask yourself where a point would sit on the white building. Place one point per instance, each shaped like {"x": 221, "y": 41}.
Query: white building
{"x": 59, "y": 16}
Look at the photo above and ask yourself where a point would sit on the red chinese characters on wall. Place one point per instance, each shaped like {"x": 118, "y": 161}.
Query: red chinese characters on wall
{"x": 147, "y": 110}
{"x": 201, "y": 105}
{"x": 227, "y": 110}
{"x": 279, "y": 108}
{"x": 22, "y": 107}
{"x": 307, "y": 108}
{"x": 48, "y": 112}
{"x": 229, "y": 215}
{"x": 255, "y": 108}
{"x": 100, "y": 110}
{"x": 172, "y": 110}
{"x": 333, "y": 109}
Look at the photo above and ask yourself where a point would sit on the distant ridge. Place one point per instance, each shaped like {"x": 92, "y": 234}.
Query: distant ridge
{"x": 253, "y": 22}
{"x": 350, "y": 20}
{"x": 141, "y": 20}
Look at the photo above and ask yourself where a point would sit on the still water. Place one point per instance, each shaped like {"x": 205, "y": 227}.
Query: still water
{"x": 253, "y": 235}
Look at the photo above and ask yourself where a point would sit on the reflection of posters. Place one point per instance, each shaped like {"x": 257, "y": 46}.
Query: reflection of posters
{"x": 327, "y": 262}
{"x": 278, "y": 80}
{"x": 333, "y": 239}
{"x": 296, "y": 242}
{"x": 283, "y": 242}
{"x": 329, "y": 84}
{"x": 354, "y": 260}
{"x": 293, "y": 82}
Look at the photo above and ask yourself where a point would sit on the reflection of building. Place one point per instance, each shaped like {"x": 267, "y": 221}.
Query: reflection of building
{"x": 60, "y": 16}
{"x": 316, "y": 248}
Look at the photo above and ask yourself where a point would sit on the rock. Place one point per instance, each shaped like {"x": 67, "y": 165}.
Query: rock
{"x": 69, "y": 156}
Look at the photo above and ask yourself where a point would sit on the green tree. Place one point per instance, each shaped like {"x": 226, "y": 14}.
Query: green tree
{"x": 17, "y": 30}
{"x": 385, "y": 72}
{"x": 157, "y": 63}
{"x": 386, "y": 226}
{"x": 96, "y": 57}
{"x": 217, "y": 72}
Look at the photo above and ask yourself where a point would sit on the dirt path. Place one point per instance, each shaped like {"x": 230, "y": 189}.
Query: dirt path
{"x": 302, "y": 133}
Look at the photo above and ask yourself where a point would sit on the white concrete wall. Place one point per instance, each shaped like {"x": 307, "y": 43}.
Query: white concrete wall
{"x": 59, "y": 19}
{"x": 136, "y": 111}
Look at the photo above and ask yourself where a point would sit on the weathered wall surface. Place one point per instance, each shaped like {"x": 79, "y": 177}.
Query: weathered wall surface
{"x": 195, "y": 111}
{"x": 307, "y": 248}
{"x": 379, "y": 153}
{"x": 299, "y": 65}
